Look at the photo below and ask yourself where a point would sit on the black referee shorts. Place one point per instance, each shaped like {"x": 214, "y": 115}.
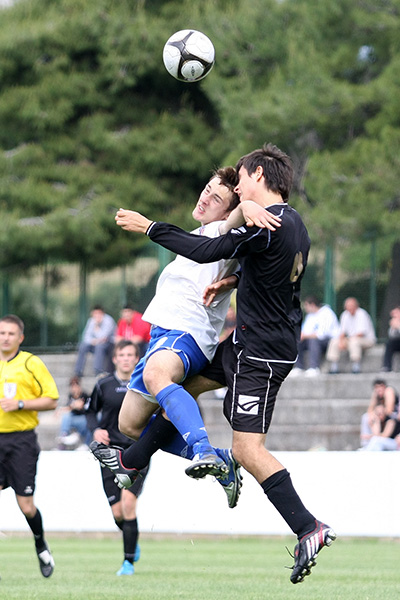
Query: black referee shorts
{"x": 253, "y": 385}
{"x": 19, "y": 453}
{"x": 113, "y": 492}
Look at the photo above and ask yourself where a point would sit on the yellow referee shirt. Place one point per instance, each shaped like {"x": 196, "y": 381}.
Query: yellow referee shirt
{"x": 28, "y": 376}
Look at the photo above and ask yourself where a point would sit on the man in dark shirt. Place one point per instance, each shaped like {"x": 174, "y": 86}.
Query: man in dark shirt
{"x": 102, "y": 416}
{"x": 254, "y": 361}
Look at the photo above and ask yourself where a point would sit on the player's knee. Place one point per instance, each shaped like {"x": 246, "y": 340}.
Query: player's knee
{"x": 129, "y": 430}
{"x": 153, "y": 382}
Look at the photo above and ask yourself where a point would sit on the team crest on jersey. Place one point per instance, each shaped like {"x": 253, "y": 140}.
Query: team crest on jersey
{"x": 247, "y": 405}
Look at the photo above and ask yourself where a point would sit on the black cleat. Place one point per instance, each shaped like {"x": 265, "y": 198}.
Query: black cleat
{"x": 232, "y": 481}
{"x": 46, "y": 561}
{"x": 305, "y": 552}
{"x": 110, "y": 457}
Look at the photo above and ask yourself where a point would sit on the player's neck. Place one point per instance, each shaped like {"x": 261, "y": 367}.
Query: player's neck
{"x": 122, "y": 376}
{"x": 269, "y": 198}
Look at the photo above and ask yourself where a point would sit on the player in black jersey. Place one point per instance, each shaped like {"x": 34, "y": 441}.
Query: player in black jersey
{"x": 259, "y": 355}
{"x": 102, "y": 415}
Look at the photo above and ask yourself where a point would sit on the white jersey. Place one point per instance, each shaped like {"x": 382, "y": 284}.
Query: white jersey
{"x": 178, "y": 301}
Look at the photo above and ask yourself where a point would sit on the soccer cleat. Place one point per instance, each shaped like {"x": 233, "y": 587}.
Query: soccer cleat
{"x": 46, "y": 561}
{"x": 110, "y": 457}
{"x": 232, "y": 482}
{"x": 136, "y": 556}
{"x": 126, "y": 569}
{"x": 305, "y": 552}
{"x": 206, "y": 462}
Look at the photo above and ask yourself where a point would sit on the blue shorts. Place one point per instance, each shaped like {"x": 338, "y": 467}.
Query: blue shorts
{"x": 179, "y": 342}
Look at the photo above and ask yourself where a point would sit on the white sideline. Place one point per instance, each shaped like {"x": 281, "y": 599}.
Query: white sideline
{"x": 356, "y": 493}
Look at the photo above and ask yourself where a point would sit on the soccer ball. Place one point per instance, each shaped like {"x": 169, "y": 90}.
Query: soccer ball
{"x": 189, "y": 55}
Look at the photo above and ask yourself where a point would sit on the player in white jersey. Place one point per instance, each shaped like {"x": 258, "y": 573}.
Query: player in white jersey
{"x": 185, "y": 333}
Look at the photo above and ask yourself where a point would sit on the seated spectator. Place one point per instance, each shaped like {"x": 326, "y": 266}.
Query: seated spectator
{"x": 132, "y": 327}
{"x": 319, "y": 327}
{"x": 385, "y": 396}
{"x": 393, "y": 342}
{"x": 356, "y": 335}
{"x": 97, "y": 338}
{"x": 385, "y": 431}
{"x": 74, "y": 430}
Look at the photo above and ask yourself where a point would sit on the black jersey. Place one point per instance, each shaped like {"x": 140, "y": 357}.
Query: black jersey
{"x": 272, "y": 266}
{"x": 103, "y": 406}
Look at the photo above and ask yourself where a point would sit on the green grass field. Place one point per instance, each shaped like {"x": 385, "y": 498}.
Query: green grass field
{"x": 201, "y": 568}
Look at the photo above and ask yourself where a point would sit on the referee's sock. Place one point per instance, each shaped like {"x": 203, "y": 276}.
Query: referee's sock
{"x": 182, "y": 409}
{"x": 280, "y": 491}
{"x": 36, "y": 526}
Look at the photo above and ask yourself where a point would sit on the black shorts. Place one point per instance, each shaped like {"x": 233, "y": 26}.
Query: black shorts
{"x": 253, "y": 385}
{"x": 19, "y": 453}
{"x": 113, "y": 492}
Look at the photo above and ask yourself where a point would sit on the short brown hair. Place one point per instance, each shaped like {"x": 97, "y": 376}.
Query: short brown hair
{"x": 14, "y": 319}
{"x": 228, "y": 177}
{"x": 123, "y": 344}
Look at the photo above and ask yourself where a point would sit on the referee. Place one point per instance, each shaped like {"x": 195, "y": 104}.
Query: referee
{"x": 102, "y": 416}
{"x": 26, "y": 387}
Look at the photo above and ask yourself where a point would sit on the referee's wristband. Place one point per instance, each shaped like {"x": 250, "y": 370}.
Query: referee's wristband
{"x": 20, "y": 405}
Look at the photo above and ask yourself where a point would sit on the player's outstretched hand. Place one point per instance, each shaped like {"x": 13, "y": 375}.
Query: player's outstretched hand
{"x": 132, "y": 221}
{"x": 257, "y": 216}
{"x": 218, "y": 287}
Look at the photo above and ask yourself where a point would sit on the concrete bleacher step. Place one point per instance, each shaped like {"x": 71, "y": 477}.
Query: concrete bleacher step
{"x": 322, "y": 412}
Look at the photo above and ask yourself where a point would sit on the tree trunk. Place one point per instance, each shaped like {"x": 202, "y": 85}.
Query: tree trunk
{"x": 392, "y": 296}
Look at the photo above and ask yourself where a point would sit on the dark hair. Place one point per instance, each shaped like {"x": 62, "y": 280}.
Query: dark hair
{"x": 228, "y": 177}
{"x": 75, "y": 379}
{"x": 378, "y": 382}
{"x": 123, "y": 344}
{"x": 98, "y": 307}
{"x": 312, "y": 300}
{"x": 277, "y": 168}
{"x": 13, "y": 319}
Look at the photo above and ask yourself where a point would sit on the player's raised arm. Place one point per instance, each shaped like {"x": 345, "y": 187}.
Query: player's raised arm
{"x": 131, "y": 220}
{"x": 251, "y": 214}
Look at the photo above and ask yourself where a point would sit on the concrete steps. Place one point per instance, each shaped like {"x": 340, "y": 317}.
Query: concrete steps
{"x": 318, "y": 413}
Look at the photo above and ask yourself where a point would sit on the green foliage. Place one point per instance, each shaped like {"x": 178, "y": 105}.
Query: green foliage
{"x": 90, "y": 120}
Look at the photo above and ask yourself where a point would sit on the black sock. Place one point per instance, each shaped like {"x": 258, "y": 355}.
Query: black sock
{"x": 280, "y": 491}
{"x": 36, "y": 525}
{"x": 130, "y": 534}
{"x": 159, "y": 432}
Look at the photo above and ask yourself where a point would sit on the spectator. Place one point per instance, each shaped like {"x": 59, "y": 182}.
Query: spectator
{"x": 319, "y": 327}
{"x": 74, "y": 430}
{"x": 97, "y": 338}
{"x": 382, "y": 395}
{"x": 385, "y": 431}
{"x": 393, "y": 342}
{"x": 132, "y": 327}
{"x": 356, "y": 335}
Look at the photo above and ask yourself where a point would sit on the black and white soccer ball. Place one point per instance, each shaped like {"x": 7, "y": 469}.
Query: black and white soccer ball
{"x": 189, "y": 55}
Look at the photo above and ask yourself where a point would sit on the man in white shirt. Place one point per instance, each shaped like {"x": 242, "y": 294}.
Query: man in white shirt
{"x": 97, "y": 338}
{"x": 319, "y": 327}
{"x": 356, "y": 335}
